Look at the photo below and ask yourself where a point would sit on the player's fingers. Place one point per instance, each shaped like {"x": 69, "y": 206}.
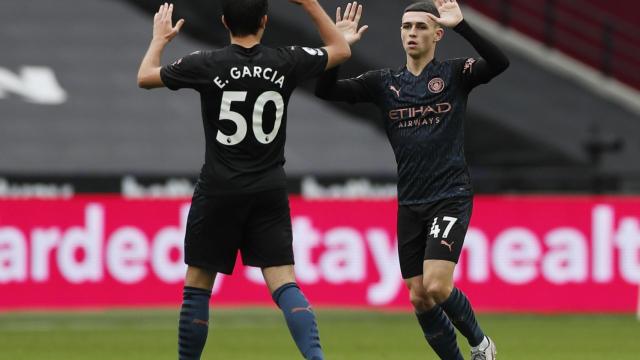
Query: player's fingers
{"x": 165, "y": 9}
{"x": 161, "y": 12}
{"x": 178, "y": 26}
{"x": 338, "y": 14}
{"x": 169, "y": 13}
{"x": 354, "y": 8}
{"x": 358, "y": 14}
{"x": 347, "y": 10}
{"x": 363, "y": 30}
{"x": 433, "y": 17}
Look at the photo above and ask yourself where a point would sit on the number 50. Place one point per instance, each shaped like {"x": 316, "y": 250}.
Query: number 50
{"x": 229, "y": 97}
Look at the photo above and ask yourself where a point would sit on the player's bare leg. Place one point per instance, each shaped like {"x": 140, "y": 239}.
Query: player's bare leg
{"x": 296, "y": 309}
{"x": 194, "y": 314}
{"x": 438, "y": 285}
{"x": 436, "y": 326}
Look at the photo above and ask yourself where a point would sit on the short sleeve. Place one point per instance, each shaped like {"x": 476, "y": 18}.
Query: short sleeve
{"x": 185, "y": 72}
{"x": 308, "y": 62}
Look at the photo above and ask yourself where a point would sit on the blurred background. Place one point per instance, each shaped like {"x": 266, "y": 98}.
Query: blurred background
{"x": 96, "y": 177}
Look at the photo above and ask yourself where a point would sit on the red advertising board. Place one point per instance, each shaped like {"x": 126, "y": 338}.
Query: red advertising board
{"x": 522, "y": 253}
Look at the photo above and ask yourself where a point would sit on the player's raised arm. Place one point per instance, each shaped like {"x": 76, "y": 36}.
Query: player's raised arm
{"x": 349, "y": 22}
{"x": 163, "y": 33}
{"x": 356, "y": 90}
{"x": 337, "y": 48}
{"x": 493, "y": 61}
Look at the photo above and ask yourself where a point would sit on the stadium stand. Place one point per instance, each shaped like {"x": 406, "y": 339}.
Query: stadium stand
{"x": 534, "y": 129}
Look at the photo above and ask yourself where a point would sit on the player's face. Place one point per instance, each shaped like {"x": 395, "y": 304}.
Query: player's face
{"x": 419, "y": 33}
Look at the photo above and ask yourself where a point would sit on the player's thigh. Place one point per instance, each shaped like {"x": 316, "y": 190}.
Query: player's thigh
{"x": 447, "y": 223}
{"x": 268, "y": 240}
{"x": 214, "y": 231}
{"x": 411, "y": 242}
{"x": 438, "y": 277}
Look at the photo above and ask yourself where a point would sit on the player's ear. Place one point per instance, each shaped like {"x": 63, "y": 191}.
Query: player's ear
{"x": 439, "y": 34}
{"x": 263, "y": 22}
{"x": 224, "y": 22}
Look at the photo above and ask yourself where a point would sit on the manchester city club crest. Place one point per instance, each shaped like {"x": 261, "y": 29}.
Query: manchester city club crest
{"x": 436, "y": 85}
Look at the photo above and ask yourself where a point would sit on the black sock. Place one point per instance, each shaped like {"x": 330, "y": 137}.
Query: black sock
{"x": 439, "y": 333}
{"x": 194, "y": 323}
{"x": 459, "y": 310}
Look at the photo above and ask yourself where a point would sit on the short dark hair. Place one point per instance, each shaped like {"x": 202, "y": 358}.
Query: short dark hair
{"x": 243, "y": 16}
{"x": 424, "y": 6}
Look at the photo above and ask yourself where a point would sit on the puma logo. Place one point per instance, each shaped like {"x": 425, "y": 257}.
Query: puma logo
{"x": 450, "y": 246}
{"x": 298, "y": 309}
{"x": 397, "y": 91}
{"x": 200, "y": 322}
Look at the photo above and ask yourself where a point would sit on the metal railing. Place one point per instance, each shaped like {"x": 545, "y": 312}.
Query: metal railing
{"x": 588, "y": 33}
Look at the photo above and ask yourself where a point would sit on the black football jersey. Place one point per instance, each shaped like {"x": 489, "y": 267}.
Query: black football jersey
{"x": 244, "y": 93}
{"x": 424, "y": 116}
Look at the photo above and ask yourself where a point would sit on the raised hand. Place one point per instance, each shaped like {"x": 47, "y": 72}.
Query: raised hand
{"x": 348, "y": 23}
{"x": 163, "y": 28}
{"x": 450, "y": 13}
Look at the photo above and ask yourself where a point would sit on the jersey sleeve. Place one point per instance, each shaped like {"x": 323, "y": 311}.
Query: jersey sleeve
{"x": 186, "y": 72}
{"x": 354, "y": 90}
{"x": 307, "y": 62}
{"x": 491, "y": 63}
{"x": 472, "y": 72}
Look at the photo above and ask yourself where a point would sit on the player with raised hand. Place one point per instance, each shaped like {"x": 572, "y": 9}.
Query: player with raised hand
{"x": 240, "y": 202}
{"x": 423, "y": 107}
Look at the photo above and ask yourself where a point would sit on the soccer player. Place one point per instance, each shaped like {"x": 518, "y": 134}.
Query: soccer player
{"x": 423, "y": 107}
{"x": 240, "y": 202}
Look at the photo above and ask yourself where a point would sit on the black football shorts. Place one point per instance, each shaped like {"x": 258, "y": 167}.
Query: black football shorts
{"x": 432, "y": 231}
{"x": 256, "y": 224}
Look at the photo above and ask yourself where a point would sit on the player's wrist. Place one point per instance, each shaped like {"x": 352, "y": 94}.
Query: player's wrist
{"x": 309, "y": 4}
{"x": 461, "y": 25}
{"x": 159, "y": 40}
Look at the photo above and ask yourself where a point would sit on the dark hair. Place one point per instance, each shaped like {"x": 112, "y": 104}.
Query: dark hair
{"x": 243, "y": 16}
{"x": 424, "y": 6}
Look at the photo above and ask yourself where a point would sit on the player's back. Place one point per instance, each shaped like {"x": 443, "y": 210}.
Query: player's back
{"x": 244, "y": 96}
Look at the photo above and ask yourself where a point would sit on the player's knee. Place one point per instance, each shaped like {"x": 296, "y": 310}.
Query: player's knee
{"x": 420, "y": 299}
{"x": 438, "y": 291}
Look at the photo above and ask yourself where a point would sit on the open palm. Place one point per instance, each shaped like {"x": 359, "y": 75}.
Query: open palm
{"x": 163, "y": 25}
{"x": 349, "y": 22}
{"x": 450, "y": 13}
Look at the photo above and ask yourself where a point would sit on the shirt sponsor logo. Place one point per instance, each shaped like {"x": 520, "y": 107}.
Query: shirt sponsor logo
{"x": 419, "y": 115}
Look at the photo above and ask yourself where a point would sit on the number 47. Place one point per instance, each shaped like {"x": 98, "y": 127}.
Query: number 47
{"x": 435, "y": 229}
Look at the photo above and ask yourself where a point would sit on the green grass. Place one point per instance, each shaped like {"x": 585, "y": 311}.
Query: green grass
{"x": 257, "y": 334}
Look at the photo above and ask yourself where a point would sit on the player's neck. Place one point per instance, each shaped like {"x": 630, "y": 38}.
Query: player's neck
{"x": 248, "y": 41}
{"x": 416, "y": 65}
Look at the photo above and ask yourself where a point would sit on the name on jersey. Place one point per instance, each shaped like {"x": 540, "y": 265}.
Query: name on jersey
{"x": 256, "y": 72}
{"x": 419, "y": 115}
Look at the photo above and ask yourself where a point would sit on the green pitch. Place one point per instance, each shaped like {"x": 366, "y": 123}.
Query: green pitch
{"x": 346, "y": 335}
